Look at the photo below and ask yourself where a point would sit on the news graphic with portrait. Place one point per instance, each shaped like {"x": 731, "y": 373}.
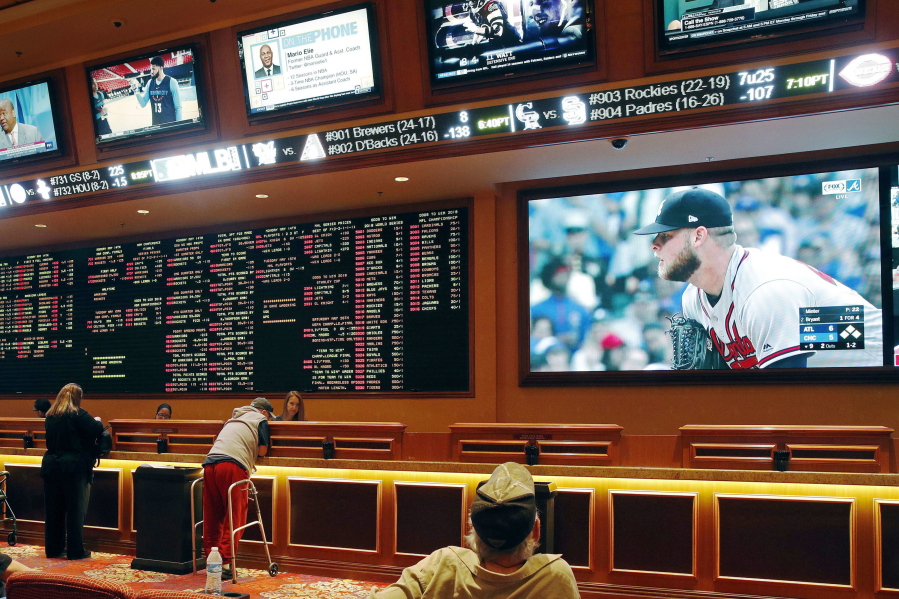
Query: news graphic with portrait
{"x": 318, "y": 59}
{"x": 475, "y": 39}
{"x": 770, "y": 273}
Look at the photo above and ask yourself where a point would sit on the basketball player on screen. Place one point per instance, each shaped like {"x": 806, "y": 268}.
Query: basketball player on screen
{"x": 162, "y": 93}
{"x": 749, "y": 300}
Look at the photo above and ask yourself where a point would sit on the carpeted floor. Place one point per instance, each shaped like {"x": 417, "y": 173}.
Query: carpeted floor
{"x": 257, "y": 583}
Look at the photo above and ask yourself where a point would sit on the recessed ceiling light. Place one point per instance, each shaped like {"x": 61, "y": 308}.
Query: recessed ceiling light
{"x": 143, "y": 212}
{"x": 261, "y": 196}
{"x": 401, "y": 179}
{"x": 41, "y": 226}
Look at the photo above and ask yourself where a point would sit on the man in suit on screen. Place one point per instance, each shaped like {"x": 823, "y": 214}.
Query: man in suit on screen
{"x": 14, "y": 132}
{"x": 268, "y": 67}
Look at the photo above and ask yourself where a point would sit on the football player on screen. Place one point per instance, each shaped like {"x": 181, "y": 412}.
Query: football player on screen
{"x": 490, "y": 25}
{"x": 749, "y": 301}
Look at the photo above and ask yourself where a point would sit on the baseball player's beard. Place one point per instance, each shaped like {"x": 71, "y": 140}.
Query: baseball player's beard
{"x": 682, "y": 267}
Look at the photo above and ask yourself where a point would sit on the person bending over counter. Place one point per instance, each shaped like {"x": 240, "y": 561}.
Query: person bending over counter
{"x": 500, "y": 564}
{"x": 231, "y": 459}
{"x": 293, "y": 408}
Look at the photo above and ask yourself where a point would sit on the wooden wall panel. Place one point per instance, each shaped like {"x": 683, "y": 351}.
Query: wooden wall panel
{"x": 889, "y": 545}
{"x": 653, "y": 532}
{"x": 25, "y": 489}
{"x": 334, "y": 513}
{"x": 104, "y": 507}
{"x": 265, "y": 488}
{"x": 429, "y": 517}
{"x": 786, "y": 538}
{"x": 573, "y": 526}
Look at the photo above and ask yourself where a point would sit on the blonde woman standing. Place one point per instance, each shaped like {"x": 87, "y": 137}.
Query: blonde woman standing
{"x": 67, "y": 470}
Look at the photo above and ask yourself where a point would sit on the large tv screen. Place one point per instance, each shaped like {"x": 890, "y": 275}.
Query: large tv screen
{"x": 483, "y": 39}
{"x": 157, "y": 92}
{"x": 317, "y": 60}
{"x": 348, "y": 303}
{"x": 684, "y": 24}
{"x": 766, "y": 273}
{"x": 27, "y": 122}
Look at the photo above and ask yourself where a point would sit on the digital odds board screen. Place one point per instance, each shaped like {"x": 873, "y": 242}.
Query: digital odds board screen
{"x": 721, "y": 275}
{"x": 146, "y": 95}
{"x": 685, "y": 24}
{"x": 322, "y": 59}
{"x": 28, "y": 122}
{"x": 484, "y": 39}
{"x": 373, "y": 304}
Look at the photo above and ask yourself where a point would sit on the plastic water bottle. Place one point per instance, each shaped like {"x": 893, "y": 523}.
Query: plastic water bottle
{"x": 214, "y": 572}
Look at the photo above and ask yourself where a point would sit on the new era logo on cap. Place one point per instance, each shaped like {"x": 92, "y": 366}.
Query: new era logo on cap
{"x": 691, "y": 208}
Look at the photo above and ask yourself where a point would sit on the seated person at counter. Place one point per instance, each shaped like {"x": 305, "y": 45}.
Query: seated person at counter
{"x": 41, "y": 406}
{"x": 293, "y": 408}
{"x": 505, "y": 532}
{"x": 164, "y": 412}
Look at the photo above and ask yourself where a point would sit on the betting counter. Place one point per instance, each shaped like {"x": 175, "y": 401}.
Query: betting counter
{"x": 688, "y": 514}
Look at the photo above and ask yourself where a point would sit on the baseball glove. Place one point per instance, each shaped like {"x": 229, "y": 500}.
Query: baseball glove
{"x": 693, "y": 348}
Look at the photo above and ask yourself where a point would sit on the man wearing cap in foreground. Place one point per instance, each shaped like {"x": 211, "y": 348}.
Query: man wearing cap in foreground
{"x": 749, "y": 301}
{"x": 500, "y": 562}
{"x": 231, "y": 459}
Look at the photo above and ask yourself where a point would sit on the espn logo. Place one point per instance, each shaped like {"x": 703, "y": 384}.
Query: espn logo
{"x": 847, "y": 186}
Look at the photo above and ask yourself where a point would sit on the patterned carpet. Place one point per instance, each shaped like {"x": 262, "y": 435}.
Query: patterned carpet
{"x": 257, "y": 583}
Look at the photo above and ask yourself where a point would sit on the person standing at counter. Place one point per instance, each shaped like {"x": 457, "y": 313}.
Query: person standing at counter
{"x": 500, "y": 562}
{"x": 231, "y": 459}
{"x": 293, "y": 408}
{"x": 68, "y": 470}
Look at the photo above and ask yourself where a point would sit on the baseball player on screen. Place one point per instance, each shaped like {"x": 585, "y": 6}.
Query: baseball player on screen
{"x": 748, "y": 300}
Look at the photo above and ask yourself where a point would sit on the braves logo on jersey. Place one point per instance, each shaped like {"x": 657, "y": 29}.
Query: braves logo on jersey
{"x": 738, "y": 351}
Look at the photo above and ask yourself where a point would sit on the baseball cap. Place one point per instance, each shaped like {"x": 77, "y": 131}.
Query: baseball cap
{"x": 504, "y": 511}
{"x": 691, "y": 208}
{"x": 261, "y": 403}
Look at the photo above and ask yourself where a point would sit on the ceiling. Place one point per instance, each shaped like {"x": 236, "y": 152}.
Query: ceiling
{"x": 87, "y": 25}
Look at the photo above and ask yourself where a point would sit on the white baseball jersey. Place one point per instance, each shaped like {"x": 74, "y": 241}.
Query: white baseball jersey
{"x": 755, "y": 322}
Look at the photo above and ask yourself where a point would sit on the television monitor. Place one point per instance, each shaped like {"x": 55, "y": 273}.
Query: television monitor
{"x": 778, "y": 272}
{"x": 28, "y": 122}
{"x": 685, "y": 24}
{"x": 484, "y": 39}
{"x": 153, "y": 93}
{"x": 323, "y": 59}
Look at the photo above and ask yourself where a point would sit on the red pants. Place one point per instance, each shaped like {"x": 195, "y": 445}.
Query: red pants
{"x": 216, "y": 480}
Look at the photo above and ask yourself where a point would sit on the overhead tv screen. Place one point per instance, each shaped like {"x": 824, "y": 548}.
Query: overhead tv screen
{"x": 373, "y": 304}
{"x": 318, "y": 60}
{"x": 27, "y": 122}
{"x": 483, "y": 39}
{"x": 684, "y": 24}
{"x": 781, "y": 272}
{"x": 146, "y": 95}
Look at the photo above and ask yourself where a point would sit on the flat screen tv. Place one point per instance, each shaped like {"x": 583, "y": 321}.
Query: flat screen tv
{"x": 28, "y": 122}
{"x": 686, "y": 24}
{"x": 147, "y": 95}
{"x": 490, "y": 39}
{"x": 323, "y": 59}
{"x": 771, "y": 273}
